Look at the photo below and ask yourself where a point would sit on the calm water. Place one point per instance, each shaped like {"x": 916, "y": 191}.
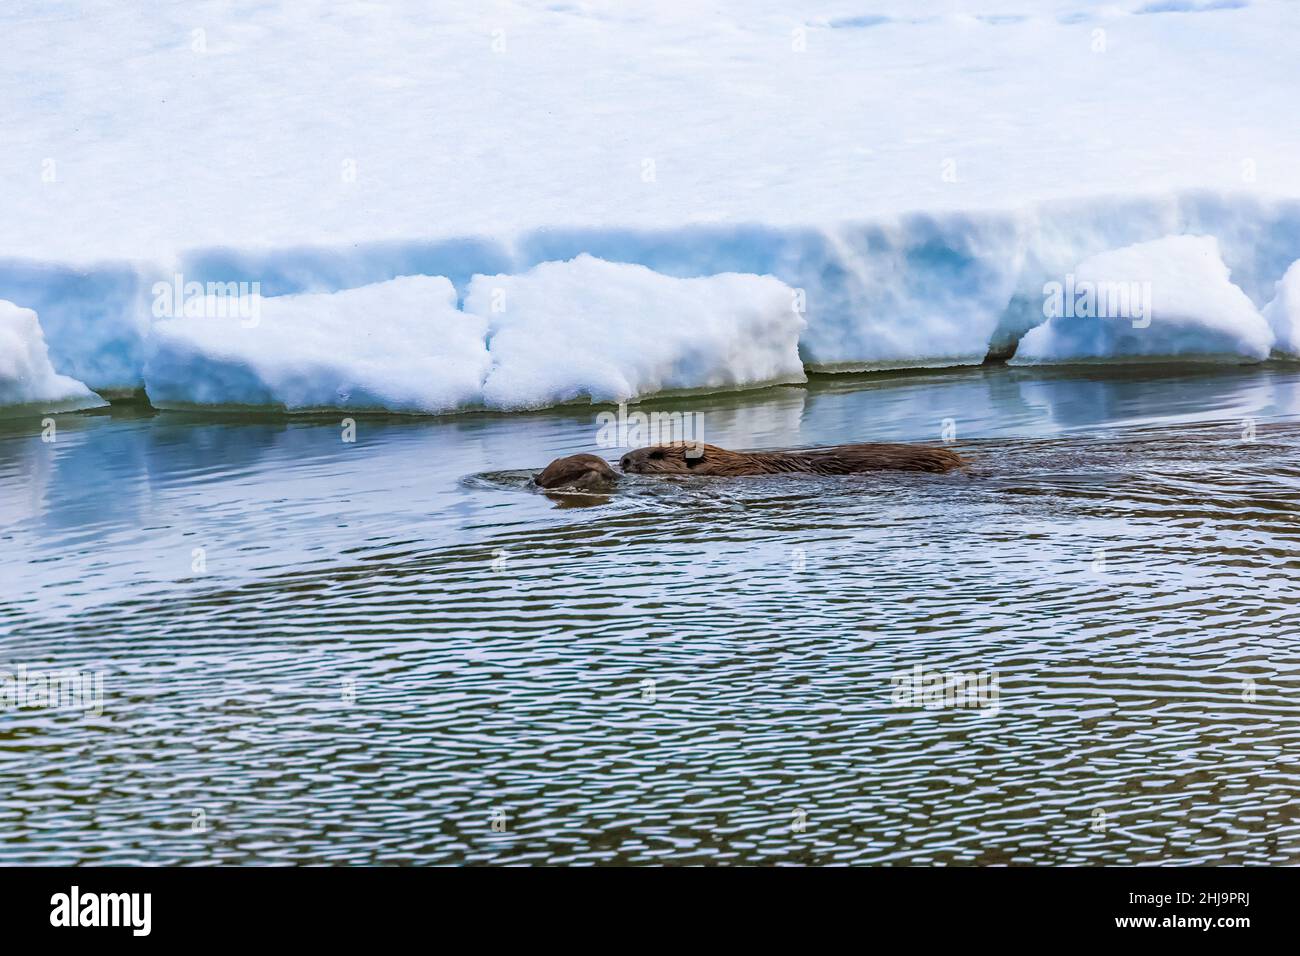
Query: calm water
{"x": 383, "y": 647}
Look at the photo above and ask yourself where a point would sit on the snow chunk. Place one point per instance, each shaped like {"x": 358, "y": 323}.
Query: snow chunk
{"x": 400, "y": 345}
{"x": 1283, "y": 313}
{"x": 95, "y": 318}
{"x": 920, "y": 291}
{"x": 1164, "y": 300}
{"x": 26, "y": 376}
{"x": 611, "y": 332}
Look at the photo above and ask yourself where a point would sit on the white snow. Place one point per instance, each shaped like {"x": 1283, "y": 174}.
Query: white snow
{"x": 26, "y": 377}
{"x": 1169, "y": 299}
{"x": 918, "y": 168}
{"x": 400, "y": 346}
{"x": 277, "y": 123}
{"x": 564, "y": 331}
{"x": 610, "y": 332}
{"x": 1283, "y": 313}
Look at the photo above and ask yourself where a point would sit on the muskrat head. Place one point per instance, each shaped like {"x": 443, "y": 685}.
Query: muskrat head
{"x": 583, "y": 472}
{"x": 678, "y": 458}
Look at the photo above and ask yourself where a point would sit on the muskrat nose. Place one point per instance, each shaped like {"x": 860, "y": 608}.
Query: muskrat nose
{"x": 622, "y": 462}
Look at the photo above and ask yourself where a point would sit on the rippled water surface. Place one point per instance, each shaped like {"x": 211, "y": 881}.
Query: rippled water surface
{"x": 321, "y": 651}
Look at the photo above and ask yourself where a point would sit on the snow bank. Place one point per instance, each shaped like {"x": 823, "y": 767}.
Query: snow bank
{"x": 400, "y": 346}
{"x": 906, "y": 291}
{"x": 611, "y": 332}
{"x": 917, "y": 169}
{"x": 1170, "y": 299}
{"x": 26, "y": 376}
{"x": 1283, "y": 313}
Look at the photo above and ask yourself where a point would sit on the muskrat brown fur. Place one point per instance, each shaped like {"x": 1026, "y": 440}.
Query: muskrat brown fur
{"x": 583, "y": 472}
{"x": 686, "y": 458}
{"x": 590, "y": 473}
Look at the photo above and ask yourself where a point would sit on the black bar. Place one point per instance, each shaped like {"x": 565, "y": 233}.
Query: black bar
{"x": 329, "y": 905}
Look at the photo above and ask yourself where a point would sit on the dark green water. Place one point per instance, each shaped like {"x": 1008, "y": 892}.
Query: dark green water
{"x": 385, "y": 646}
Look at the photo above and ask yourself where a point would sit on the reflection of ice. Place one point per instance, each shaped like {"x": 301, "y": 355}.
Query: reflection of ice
{"x": 766, "y": 419}
{"x": 1116, "y": 398}
{"x": 919, "y": 407}
{"x": 24, "y": 480}
{"x": 1284, "y": 394}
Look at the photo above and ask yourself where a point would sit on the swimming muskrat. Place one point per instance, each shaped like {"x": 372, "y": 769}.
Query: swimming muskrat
{"x": 588, "y": 472}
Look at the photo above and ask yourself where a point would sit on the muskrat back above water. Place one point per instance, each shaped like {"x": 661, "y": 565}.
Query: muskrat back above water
{"x": 699, "y": 459}
{"x": 688, "y": 458}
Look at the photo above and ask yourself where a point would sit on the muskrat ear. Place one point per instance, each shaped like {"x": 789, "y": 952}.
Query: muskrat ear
{"x": 694, "y": 454}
